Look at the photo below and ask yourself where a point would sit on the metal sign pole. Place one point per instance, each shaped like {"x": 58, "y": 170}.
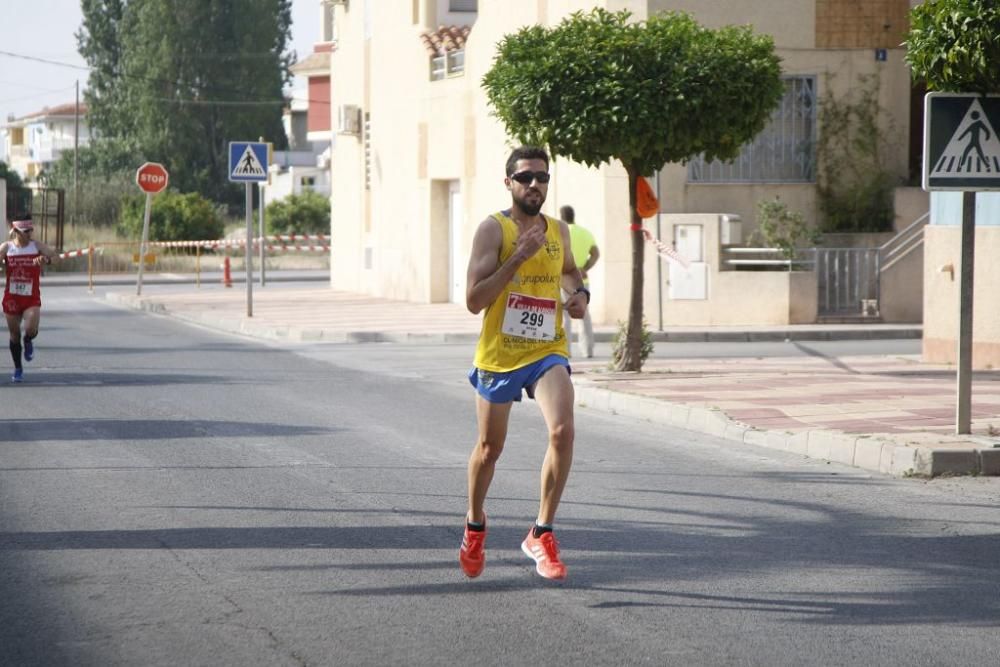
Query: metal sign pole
{"x": 261, "y": 225}
{"x": 249, "y": 249}
{"x": 143, "y": 242}
{"x": 963, "y": 409}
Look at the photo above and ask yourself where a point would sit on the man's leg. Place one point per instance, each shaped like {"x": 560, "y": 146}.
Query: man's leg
{"x": 554, "y": 395}
{"x": 587, "y": 336}
{"x": 492, "y": 419}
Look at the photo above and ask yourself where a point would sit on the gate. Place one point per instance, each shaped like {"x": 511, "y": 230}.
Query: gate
{"x": 18, "y": 202}
{"x": 848, "y": 281}
{"x": 46, "y": 206}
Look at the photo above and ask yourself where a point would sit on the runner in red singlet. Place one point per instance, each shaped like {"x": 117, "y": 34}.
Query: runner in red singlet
{"x": 23, "y": 258}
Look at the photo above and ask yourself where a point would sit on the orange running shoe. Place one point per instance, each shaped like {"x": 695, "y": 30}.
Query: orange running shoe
{"x": 472, "y": 555}
{"x": 544, "y": 550}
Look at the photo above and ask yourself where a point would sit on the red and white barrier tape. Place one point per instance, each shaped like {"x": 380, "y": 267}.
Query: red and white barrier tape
{"x": 297, "y": 248}
{"x": 664, "y": 250}
{"x": 78, "y": 253}
{"x": 298, "y": 237}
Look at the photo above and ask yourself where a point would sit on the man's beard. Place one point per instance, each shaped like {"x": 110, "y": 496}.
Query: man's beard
{"x": 529, "y": 208}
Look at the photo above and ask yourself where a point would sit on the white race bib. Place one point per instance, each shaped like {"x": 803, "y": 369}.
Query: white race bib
{"x": 530, "y": 317}
{"x": 18, "y": 288}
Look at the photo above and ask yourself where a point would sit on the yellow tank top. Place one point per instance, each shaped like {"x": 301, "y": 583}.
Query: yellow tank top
{"x": 525, "y": 322}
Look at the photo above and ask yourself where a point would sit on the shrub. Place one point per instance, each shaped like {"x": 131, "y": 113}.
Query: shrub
{"x": 174, "y": 217}
{"x": 307, "y": 213}
{"x": 777, "y": 227}
{"x": 620, "y": 340}
{"x": 855, "y": 185}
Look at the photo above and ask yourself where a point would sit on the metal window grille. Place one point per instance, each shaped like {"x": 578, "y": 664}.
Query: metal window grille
{"x": 784, "y": 152}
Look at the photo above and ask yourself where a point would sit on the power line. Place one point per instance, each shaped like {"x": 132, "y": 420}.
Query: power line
{"x": 221, "y": 103}
{"x": 44, "y": 60}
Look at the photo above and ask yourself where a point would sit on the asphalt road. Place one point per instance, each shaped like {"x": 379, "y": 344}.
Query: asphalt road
{"x": 170, "y": 495}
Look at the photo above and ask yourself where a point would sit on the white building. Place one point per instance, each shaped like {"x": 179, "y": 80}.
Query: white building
{"x": 306, "y": 163}
{"x": 35, "y": 141}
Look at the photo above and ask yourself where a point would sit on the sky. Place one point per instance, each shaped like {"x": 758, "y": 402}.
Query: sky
{"x": 44, "y": 29}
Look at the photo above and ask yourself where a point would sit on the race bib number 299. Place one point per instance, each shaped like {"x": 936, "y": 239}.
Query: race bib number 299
{"x": 530, "y": 317}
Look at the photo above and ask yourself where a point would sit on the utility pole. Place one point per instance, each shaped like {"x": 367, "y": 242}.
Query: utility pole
{"x": 76, "y": 158}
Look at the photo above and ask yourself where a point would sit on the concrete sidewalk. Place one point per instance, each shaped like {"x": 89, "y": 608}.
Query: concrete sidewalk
{"x": 891, "y": 414}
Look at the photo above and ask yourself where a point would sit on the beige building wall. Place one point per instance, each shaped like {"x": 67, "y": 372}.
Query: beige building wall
{"x": 942, "y": 269}
{"x": 428, "y": 138}
{"x": 837, "y": 72}
{"x": 791, "y": 22}
{"x": 942, "y": 264}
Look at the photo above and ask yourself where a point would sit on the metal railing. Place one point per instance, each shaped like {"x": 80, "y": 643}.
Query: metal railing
{"x": 903, "y": 243}
{"x": 848, "y": 279}
{"x": 756, "y": 259}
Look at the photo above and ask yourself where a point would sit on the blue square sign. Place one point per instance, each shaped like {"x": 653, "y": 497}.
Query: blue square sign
{"x": 247, "y": 162}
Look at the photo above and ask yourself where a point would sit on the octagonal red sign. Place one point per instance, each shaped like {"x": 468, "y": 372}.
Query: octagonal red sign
{"x": 152, "y": 177}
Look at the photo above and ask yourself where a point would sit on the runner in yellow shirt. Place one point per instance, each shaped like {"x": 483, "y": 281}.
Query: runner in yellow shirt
{"x": 518, "y": 265}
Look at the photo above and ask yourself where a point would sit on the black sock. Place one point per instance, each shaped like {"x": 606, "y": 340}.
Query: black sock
{"x": 28, "y": 339}
{"x": 476, "y": 527}
{"x": 15, "y": 353}
{"x": 538, "y": 531}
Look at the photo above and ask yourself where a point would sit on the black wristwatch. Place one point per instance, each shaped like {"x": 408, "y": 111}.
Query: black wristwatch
{"x": 585, "y": 291}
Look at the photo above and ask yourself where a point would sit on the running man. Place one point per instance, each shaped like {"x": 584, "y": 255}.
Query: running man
{"x": 520, "y": 260}
{"x": 22, "y": 302}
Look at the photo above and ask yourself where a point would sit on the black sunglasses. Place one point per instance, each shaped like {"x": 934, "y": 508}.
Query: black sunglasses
{"x": 526, "y": 177}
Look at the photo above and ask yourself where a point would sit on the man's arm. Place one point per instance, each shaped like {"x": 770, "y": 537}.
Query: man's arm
{"x": 48, "y": 253}
{"x": 486, "y": 277}
{"x": 595, "y": 255}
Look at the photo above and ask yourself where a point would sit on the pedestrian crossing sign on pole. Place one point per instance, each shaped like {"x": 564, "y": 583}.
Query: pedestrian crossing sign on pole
{"x": 248, "y": 162}
{"x": 961, "y": 146}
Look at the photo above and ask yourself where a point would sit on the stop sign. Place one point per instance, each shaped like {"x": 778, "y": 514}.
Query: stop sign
{"x": 151, "y": 177}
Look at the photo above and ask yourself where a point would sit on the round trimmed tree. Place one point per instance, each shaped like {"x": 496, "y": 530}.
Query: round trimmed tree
{"x": 598, "y": 87}
{"x": 953, "y": 45}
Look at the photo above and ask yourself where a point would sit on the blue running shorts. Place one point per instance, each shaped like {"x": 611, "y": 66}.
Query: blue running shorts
{"x": 506, "y": 387}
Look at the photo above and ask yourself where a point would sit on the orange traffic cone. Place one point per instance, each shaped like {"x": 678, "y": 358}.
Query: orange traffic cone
{"x": 227, "y": 278}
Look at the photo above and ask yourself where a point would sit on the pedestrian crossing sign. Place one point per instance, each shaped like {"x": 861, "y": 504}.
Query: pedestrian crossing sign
{"x": 961, "y": 146}
{"x": 247, "y": 162}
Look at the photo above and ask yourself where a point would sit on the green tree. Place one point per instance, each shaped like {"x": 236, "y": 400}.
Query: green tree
{"x": 12, "y": 177}
{"x": 306, "y": 213}
{"x": 597, "y": 87}
{"x": 107, "y": 175}
{"x": 175, "y": 81}
{"x": 953, "y": 45}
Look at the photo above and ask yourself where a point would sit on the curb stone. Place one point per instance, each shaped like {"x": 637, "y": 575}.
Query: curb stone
{"x": 865, "y": 452}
